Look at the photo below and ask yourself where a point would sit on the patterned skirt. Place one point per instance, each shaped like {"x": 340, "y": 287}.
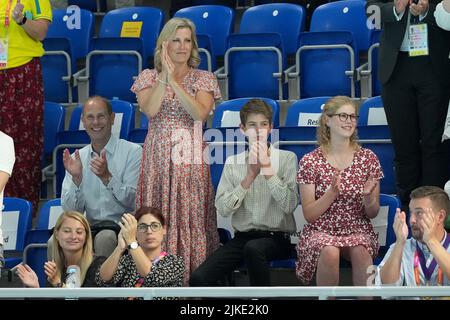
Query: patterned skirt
{"x": 22, "y": 118}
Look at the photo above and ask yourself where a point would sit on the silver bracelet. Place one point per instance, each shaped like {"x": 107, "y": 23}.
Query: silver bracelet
{"x": 163, "y": 82}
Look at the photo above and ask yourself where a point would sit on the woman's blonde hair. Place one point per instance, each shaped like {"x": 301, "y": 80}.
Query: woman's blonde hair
{"x": 330, "y": 108}
{"x": 58, "y": 254}
{"x": 169, "y": 30}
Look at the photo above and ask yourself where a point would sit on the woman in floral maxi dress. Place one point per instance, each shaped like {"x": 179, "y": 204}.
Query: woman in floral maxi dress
{"x": 177, "y": 98}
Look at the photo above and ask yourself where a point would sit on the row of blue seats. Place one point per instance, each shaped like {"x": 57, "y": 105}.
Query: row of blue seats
{"x": 31, "y": 243}
{"x": 268, "y": 34}
{"x": 298, "y": 134}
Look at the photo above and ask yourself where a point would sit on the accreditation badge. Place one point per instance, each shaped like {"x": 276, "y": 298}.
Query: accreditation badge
{"x": 3, "y": 52}
{"x": 418, "y": 40}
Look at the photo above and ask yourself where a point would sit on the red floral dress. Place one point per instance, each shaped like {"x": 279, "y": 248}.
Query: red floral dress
{"x": 173, "y": 174}
{"x": 344, "y": 223}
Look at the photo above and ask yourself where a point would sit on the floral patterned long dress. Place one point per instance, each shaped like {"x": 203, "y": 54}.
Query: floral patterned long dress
{"x": 174, "y": 176}
{"x": 344, "y": 224}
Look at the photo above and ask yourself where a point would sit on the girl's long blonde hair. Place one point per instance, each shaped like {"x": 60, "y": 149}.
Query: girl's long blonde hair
{"x": 58, "y": 254}
{"x": 169, "y": 30}
{"x": 330, "y": 108}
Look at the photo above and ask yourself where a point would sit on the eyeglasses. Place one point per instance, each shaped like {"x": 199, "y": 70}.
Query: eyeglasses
{"x": 344, "y": 116}
{"x": 154, "y": 226}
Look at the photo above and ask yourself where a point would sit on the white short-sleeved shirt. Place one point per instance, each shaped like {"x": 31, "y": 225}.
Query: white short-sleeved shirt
{"x": 7, "y": 158}
{"x": 442, "y": 17}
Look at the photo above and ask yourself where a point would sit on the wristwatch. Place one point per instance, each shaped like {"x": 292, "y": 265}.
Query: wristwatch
{"x": 133, "y": 245}
{"x": 24, "y": 20}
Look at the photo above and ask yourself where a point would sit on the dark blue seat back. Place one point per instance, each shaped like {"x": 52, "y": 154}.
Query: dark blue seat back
{"x": 333, "y": 63}
{"x": 103, "y": 68}
{"x": 54, "y": 117}
{"x": 284, "y": 18}
{"x": 376, "y": 84}
{"x": 205, "y": 42}
{"x": 305, "y": 112}
{"x": 372, "y": 126}
{"x": 151, "y": 19}
{"x": 213, "y": 20}
{"x": 251, "y": 72}
{"x": 346, "y": 15}
{"x": 80, "y": 37}
{"x": 392, "y": 203}
{"x": 16, "y": 222}
{"x": 70, "y": 32}
{"x": 234, "y": 106}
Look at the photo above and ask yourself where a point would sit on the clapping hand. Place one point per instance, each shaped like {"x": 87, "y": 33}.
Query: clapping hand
{"x": 419, "y": 8}
{"x": 50, "y": 270}
{"x": 166, "y": 62}
{"x": 121, "y": 244}
{"x": 128, "y": 228}
{"x": 370, "y": 185}
{"x": 429, "y": 225}
{"x": 17, "y": 13}
{"x": 400, "y": 5}
{"x": 27, "y": 276}
{"x": 254, "y": 166}
{"x": 400, "y": 227}
{"x": 99, "y": 166}
{"x": 73, "y": 165}
{"x": 336, "y": 182}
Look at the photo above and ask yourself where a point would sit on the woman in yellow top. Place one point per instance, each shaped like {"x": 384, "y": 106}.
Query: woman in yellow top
{"x": 23, "y": 25}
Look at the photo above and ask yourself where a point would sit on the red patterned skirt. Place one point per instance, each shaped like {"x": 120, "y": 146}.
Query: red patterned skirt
{"x": 22, "y": 118}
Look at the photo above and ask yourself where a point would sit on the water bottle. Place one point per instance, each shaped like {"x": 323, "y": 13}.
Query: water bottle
{"x": 73, "y": 277}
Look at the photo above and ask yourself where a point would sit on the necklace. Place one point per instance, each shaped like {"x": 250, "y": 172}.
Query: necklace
{"x": 341, "y": 165}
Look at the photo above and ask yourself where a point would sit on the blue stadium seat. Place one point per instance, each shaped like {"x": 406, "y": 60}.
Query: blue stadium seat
{"x": 138, "y": 135}
{"x": 125, "y": 46}
{"x": 54, "y": 117}
{"x": 226, "y": 114}
{"x": 152, "y": 21}
{"x": 333, "y": 54}
{"x": 346, "y": 15}
{"x": 35, "y": 252}
{"x": 284, "y": 18}
{"x": 16, "y": 222}
{"x": 49, "y": 213}
{"x": 65, "y": 45}
{"x": 371, "y": 72}
{"x": 383, "y": 224}
{"x": 213, "y": 20}
{"x": 35, "y": 256}
{"x": 299, "y": 133}
{"x": 305, "y": 112}
{"x": 253, "y": 66}
{"x": 114, "y": 58}
{"x": 374, "y": 134}
{"x": 205, "y": 48}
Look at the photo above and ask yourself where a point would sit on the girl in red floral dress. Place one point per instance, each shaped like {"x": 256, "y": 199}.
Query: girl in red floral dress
{"x": 339, "y": 191}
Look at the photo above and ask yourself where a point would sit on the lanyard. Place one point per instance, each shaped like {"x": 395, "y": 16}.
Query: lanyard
{"x": 140, "y": 282}
{"x": 8, "y": 8}
{"x": 419, "y": 258}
